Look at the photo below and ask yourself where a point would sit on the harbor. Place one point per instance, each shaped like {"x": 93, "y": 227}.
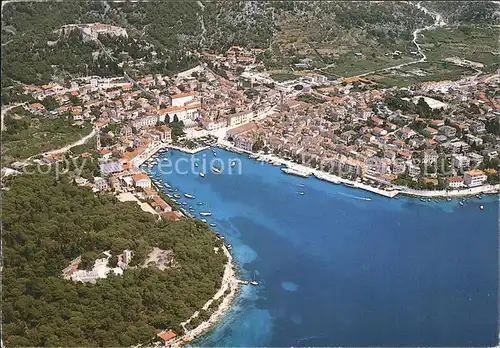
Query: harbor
{"x": 250, "y": 210}
{"x": 293, "y": 168}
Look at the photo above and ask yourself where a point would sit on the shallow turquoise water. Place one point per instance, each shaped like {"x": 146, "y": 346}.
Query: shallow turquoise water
{"x": 337, "y": 270}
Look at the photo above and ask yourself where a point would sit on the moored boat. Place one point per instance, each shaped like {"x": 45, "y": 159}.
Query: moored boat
{"x": 215, "y": 170}
{"x": 190, "y": 196}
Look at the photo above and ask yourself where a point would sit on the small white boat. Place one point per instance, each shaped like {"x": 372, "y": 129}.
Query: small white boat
{"x": 200, "y": 203}
{"x": 202, "y": 174}
{"x": 215, "y": 153}
{"x": 233, "y": 163}
{"x": 213, "y": 225}
{"x": 215, "y": 170}
{"x": 481, "y": 207}
{"x": 301, "y": 193}
{"x": 204, "y": 220}
{"x": 229, "y": 247}
{"x": 205, "y": 213}
{"x": 187, "y": 195}
{"x": 448, "y": 199}
{"x": 196, "y": 164}
{"x": 254, "y": 282}
{"x": 461, "y": 203}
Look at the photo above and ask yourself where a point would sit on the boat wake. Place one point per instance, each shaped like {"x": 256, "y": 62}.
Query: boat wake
{"x": 308, "y": 338}
{"x": 355, "y": 197}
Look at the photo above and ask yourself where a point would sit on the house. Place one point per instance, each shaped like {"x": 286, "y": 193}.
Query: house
{"x": 413, "y": 170}
{"x": 36, "y": 108}
{"x": 141, "y": 180}
{"x": 407, "y": 133}
{"x": 490, "y": 153}
{"x": 181, "y": 99}
{"x": 477, "y": 127}
{"x": 126, "y": 131}
{"x": 437, "y": 123}
{"x": 430, "y": 131}
{"x": 101, "y": 123}
{"x": 106, "y": 154}
{"x": 179, "y": 113}
{"x": 239, "y": 118}
{"x": 450, "y": 132}
{"x": 379, "y": 131}
{"x": 145, "y": 122}
{"x": 455, "y": 182}
{"x": 244, "y": 141}
{"x": 430, "y": 156}
{"x": 474, "y": 178}
{"x": 459, "y": 147}
{"x": 475, "y": 159}
{"x": 460, "y": 161}
{"x": 316, "y": 79}
{"x": 160, "y": 205}
{"x": 233, "y": 133}
{"x": 100, "y": 184}
{"x": 149, "y": 193}
{"x": 472, "y": 139}
{"x": 348, "y": 136}
{"x": 377, "y": 121}
{"x": 165, "y": 134}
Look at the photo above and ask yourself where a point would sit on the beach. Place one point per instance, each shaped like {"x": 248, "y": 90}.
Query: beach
{"x": 229, "y": 283}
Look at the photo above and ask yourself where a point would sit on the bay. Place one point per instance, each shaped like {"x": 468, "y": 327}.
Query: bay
{"x": 343, "y": 267}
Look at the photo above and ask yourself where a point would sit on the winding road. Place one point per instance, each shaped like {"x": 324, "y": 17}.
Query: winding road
{"x": 438, "y": 22}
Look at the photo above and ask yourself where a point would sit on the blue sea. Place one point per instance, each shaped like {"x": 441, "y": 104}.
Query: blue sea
{"x": 337, "y": 269}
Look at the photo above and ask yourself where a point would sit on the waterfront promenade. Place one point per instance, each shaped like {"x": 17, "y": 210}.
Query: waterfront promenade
{"x": 306, "y": 171}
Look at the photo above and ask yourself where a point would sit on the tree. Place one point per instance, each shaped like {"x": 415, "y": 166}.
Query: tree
{"x": 176, "y": 119}
{"x": 258, "y": 145}
{"x": 423, "y": 109}
{"x": 50, "y": 103}
{"x": 74, "y": 100}
{"x": 41, "y": 308}
{"x": 167, "y": 118}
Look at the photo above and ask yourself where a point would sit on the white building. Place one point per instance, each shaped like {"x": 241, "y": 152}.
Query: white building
{"x": 145, "y": 122}
{"x": 244, "y": 141}
{"x": 474, "y": 178}
{"x": 127, "y": 256}
{"x": 455, "y": 182}
{"x": 181, "y": 113}
{"x": 460, "y": 161}
{"x": 315, "y": 79}
{"x": 239, "y": 118}
{"x": 181, "y": 98}
{"x": 141, "y": 180}
{"x": 430, "y": 156}
{"x": 210, "y": 124}
{"x": 433, "y": 103}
